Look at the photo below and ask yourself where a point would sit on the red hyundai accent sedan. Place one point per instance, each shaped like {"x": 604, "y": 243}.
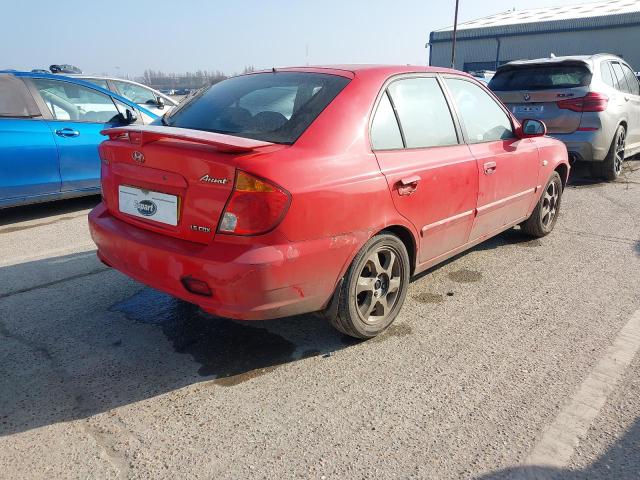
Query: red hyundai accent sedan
{"x": 320, "y": 189}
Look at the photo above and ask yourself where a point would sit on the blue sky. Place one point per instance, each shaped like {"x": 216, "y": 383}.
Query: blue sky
{"x": 127, "y": 37}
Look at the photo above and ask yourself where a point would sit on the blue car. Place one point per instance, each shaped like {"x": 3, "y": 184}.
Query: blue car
{"x": 49, "y": 135}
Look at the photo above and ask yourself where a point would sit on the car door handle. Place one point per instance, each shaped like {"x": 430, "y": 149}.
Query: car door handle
{"x": 408, "y": 185}
{"x": 67, "y": 132}
{"x": 490, "y": 168}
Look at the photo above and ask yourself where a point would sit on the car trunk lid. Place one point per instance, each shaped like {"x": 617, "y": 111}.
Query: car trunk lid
{"x": 172, "y": 181}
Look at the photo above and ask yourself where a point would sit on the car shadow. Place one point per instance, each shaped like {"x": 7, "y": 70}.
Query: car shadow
{"x": 621, "y": 461}
{"x": 44, "y": 210}
{"x": 69, "y": 351}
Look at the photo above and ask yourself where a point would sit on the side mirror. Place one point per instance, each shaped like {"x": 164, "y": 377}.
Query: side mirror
{"x": 160, "y": 102}
{"x": 533, "y": 128}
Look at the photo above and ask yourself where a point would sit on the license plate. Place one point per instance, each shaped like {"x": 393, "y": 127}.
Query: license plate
{"x": 528, "y": 109}
{"x": 156, "y": 206}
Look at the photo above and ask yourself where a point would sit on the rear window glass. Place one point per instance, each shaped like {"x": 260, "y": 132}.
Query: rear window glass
{"x": 15, "y": 98}
{"x": 539, "y": 77}
{"x": 275, "y": 107}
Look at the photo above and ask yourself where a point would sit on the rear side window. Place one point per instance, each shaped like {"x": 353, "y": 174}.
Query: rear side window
{"x": 632, "y": 80}
{"x": 423, "y": 112}
{"x": 275, "y": 107}
{"x": 135, "y": 93}
{"x": 620, "y": 81}
{"x": 484, "y": 120}
{"x": 540, "y": 77}
{"x": 607, "y": 75}
{"x": 15, "y": 98}
{"x": 385, "y": 133}
{"x": 70, "y": 101}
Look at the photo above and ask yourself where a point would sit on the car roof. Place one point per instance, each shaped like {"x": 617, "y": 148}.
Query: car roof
{"x": 78, "y": 81}
{"x": 362, "y": 70}
{"x": 586, "y": 59}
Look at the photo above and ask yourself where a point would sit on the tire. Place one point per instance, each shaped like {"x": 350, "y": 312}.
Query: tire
{"x": 374, "y": 288}
{"x": 611, "y": 167}
{"x": 545, "y": 215}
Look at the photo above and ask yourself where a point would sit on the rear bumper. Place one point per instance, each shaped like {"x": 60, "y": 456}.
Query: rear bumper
{"x": 248, "y": 282}
{"x": 585, "y": 146}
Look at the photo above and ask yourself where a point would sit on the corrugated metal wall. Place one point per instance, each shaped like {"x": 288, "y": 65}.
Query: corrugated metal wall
{"x": 623, "y": 41}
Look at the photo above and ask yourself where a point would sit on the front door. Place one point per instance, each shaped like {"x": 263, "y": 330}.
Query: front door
{"x": 507, "y": 166}
{"x": 78, "y": 114}
{"x": 432, "y": 176}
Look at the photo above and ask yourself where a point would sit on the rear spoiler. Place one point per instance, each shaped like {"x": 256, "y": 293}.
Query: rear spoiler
{"x": 143, "y": 134}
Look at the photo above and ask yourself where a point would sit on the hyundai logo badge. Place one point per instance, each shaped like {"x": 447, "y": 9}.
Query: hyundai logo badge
{"x": 138, "y": 157}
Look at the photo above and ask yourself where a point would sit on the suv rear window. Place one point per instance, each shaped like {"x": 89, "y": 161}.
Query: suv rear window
{"x": 540, "y": 77}
{"x": 275, "y": 107}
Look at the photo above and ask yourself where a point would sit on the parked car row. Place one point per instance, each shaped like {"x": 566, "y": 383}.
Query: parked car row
{"x": 320, "y": 188}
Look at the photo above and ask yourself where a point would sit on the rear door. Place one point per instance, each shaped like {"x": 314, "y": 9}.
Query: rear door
{"x": 28, "y": 153}
{"x": 431, "y": 174}
{"x": 534, "y": 90}
{"x": 507, "y": 166}
{"x": 77, "y": 114}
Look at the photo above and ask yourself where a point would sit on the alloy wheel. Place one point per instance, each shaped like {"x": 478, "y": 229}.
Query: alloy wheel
{"x": 549, "y": 204}
{"x": 379, "y": 284}
{"x": 620, "y": 148}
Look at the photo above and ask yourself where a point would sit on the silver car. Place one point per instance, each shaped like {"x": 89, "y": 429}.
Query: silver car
{"x": 591, "y": 103}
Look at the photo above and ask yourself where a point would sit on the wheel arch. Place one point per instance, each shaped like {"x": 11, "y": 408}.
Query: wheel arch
{"x": 407, "y": 238}
{"x": 563, "y": 171}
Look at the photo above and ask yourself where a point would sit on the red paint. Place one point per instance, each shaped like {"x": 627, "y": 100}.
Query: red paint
{"x": 338, "y": 194}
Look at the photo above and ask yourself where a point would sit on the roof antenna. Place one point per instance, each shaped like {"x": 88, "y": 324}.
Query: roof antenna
{"x": 273, "y": 69}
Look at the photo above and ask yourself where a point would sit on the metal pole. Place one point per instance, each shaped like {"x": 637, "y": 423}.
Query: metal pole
{"x": 455, "y": 33}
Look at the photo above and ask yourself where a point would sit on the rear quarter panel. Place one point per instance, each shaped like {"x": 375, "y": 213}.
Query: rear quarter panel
{"x": 337, "y": 189}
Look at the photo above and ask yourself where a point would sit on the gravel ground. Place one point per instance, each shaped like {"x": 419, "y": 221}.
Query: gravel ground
{"x": 101, "y": 377}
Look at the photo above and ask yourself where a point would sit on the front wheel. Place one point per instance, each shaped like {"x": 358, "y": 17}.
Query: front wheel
{"x": 373, "y": 289}
{"x": 544, "y": 216}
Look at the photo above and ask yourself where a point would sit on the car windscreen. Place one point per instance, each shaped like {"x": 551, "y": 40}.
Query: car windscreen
{"x": 274, "y": 107}
{"x": 540, "y": 77}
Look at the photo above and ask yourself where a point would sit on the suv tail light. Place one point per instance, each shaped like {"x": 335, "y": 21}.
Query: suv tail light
{"x": 256, "y": 206}
{"x": 591, "y": 102}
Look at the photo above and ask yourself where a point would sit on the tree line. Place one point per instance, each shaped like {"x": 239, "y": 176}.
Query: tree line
{"x": 191, "y": 80}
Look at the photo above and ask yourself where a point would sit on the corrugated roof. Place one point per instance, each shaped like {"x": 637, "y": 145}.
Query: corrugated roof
{"x": 584, "y": 15}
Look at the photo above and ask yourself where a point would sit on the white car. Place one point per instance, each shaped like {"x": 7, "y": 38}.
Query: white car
{"x": 153, "y": 100}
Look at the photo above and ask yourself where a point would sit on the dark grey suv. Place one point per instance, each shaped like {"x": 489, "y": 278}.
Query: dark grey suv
{"x": 591, "y": 103}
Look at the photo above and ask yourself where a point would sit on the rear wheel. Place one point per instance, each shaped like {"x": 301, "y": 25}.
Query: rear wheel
{"x": 544, "y": 216}
{"x": 373, "y": 289}
{"x": 611, "y": 167}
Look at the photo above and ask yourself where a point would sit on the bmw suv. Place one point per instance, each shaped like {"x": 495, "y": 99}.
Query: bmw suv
{"x": 591, "y": 103}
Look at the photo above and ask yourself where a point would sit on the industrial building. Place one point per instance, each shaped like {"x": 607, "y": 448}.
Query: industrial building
{"x": 484, "y": 44}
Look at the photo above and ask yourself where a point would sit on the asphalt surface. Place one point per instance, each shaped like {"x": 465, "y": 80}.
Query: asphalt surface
{"x": 102, "y": 377}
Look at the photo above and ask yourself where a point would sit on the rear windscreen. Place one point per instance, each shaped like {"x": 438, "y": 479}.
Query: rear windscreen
{"x": 275, "y": 107}
{"x": 540, "y": 77}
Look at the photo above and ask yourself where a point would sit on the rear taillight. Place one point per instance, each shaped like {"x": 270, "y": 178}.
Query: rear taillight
{"x": 256, "y": 206}
{"x": 591, "y": 102}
